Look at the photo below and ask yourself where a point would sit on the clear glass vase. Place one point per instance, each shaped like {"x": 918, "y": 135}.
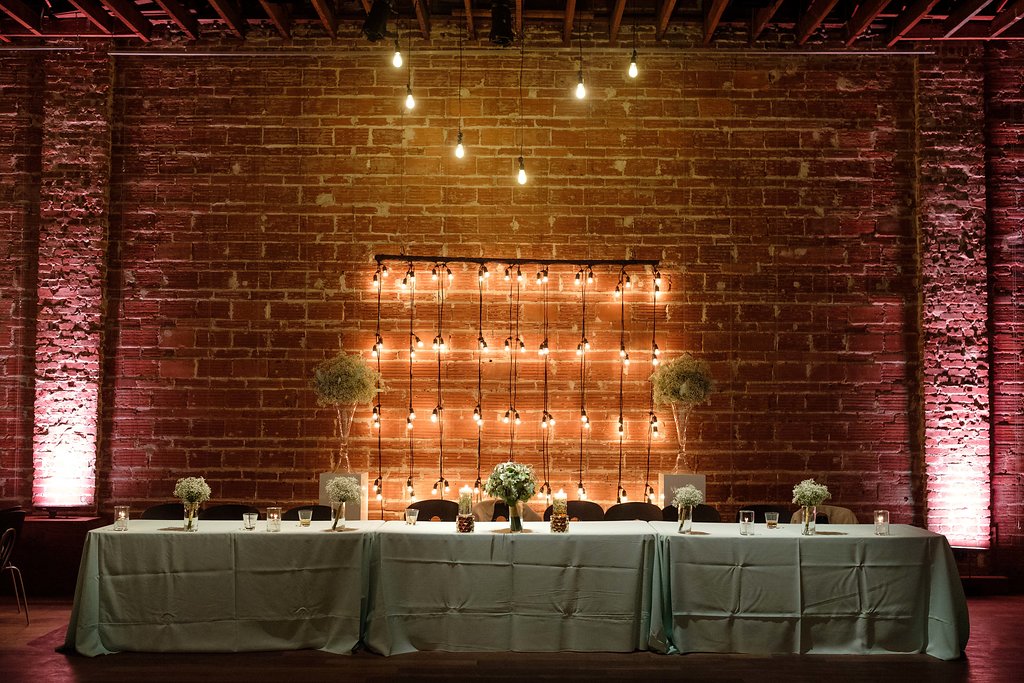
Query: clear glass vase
{"x": 685, "y": 519}
{"x": 809, "y": 514}
{"x": 339, "y": 516}
{"x": 191, "y": 516}
{"x": 515, "y": 517}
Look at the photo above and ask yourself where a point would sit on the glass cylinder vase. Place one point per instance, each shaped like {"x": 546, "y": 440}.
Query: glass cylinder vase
{"x": 339, "y": 516}
{"x": 191, "y": 516}
{"x": 515, "y": 518}
{"x": 809, "y": 514}
{"x": 685, "y": 519}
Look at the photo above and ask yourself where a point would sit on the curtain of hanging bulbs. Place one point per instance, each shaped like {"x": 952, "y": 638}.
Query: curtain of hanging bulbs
{"x": 513, "y": 348}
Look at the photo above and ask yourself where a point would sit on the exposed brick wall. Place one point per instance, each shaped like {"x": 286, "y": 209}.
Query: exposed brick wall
{"x": 20, "y": 126}
{"x": 73, "y": 212}
{"x": 1005, "y": 80}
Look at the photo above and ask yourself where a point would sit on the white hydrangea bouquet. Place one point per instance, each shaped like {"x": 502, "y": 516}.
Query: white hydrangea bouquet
{"x": 512, "y": 482}
{"x": 192, "y": 491}
{"x": 341, "y": 490}
{"x": 808, "y": 494}
{"x": 687, "y": 496}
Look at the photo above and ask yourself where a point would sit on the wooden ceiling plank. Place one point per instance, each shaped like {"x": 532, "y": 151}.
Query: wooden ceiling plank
{"x": 423, "y": 17}
{"x": 712, "y": 15}
{"x": 328, "y": 17}
{"x": 616, "y": 20}
{"x": 664, "y": 16}
{"x": 760, "y": 17}
{"x": 909, "y": 18}
{"x": 812, "y": 19}
{"x": 963, "y": 13}
{"x": 129, "y": 15}
{"x": 181, "y": 16}
{"x": 23, "y": 14}
{"x": 232, "y": 15}
{"x": 519, "y": 17}
{"x": 860, "y": 20}
{"x": 1007, "y": 18}
{"x": 280, "y": 16}
{"x": 367, "y": 6}
{"x": 470, "y": 27}
{"x": 95, "y": 13}
{"x": 570, "y": 16}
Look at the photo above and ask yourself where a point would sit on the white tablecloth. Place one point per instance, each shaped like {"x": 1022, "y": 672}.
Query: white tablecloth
{"x": 843, "y": 590}
{"x": 156, "y": 588}
{"x": 586, "y": 590}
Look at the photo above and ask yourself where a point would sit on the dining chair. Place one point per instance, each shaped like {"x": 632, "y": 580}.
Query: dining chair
{"x": 579, "y": 511}
{"x": 701, "y": 513}
{"x": 493, "y": 510}
{"x": 12, "y": 518}
{"x": 827, "y": 514}
{"x": 647, "y": 512}
{"x": 164, "y": 511}
{"x": 759, "y": 510}
{"x": 226, "y": 512}
{"x": 321, "y": 513}
{"x": 436, "y": 510}
{"x": 7, "y": 542}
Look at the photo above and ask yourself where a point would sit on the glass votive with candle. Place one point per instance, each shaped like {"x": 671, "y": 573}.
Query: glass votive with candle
{"x": 121, "y": 517}
{"x": 273, "y": 519}
{"x": 881, "y": 522}
{"x": 559, "y": 513}
{"x": 746, "y": 522}
{"x": 464, "y": 523}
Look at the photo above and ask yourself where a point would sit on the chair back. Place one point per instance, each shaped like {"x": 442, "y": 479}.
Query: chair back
{"x": 12, "y": 519}
{"x": 759, "y": 510}
{"x": 579, "y": 511}
{"x": 436, "y": 510}
{"x": 701, "y": 513}
{"x": 165, "y": 511}
{"x": 227, "y": 512}
{"x": 827, "y": 514}
{"x": 7, "y": 546}
{"x": 635, "y": 510}
{"x": 321, "y": 513}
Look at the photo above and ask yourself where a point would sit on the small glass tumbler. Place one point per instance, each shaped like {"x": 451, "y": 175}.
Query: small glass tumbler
{"x": 746, "y": 522}
{"x": 121, "y": 517}
{"x": 410, "y": 515}
{"x": 273, "y": 519}
{"x": 249, "y": 520}
{"x": 881, "y": 522}
{"x": 305, "y": 517}
{"x": 771, "y": 520}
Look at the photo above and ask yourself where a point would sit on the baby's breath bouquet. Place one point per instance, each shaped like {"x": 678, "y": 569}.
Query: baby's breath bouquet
{"x": 343, "y": 382}
{"x": 341, "y": 490}
{"x": 809, "y": 492}
{"x": 686, "y": 496}
{"x": 512, "y": 482}
{"x": 192, "y": 491}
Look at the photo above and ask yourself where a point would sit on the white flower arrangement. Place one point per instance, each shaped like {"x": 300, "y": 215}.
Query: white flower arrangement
{"x": 686, "y": 496}
{"x": 343, "y": 490}
{"x": 511, "y": 482}
{"x": 192, "y": 490}
{"x": 808, "y": 492}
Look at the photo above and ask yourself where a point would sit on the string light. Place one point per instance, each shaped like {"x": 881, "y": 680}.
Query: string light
{"x": 581, "y": 90}
{"x": 633, "y": 70}
{"x": 396, "y": 59}
{"x": 410, "y": 101}
{"x": 521, "y": 176}
{"x": 460, "y": 150}
{"x": 482, "y": 273}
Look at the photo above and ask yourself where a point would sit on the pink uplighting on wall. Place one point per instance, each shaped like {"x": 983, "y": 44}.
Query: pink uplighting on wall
{"x": 64, "y": 447}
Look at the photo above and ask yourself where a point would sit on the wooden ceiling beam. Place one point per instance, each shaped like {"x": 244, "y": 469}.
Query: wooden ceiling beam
{"x": 423, "y": 17}
{"x": 367, "y": 6}
{"x": 23, "y": 14}
{"x": 95, "y": 13}
{"x": 567, "y": 22}
{"x": 1010, "y": 15}
{"x": 860, "y": 20}
{"x": 664, "y": 16}
{"x": 181, "y": 16}
{"x": 615, "y": 21}
{"x": 909, "y": 18}
{"x": 470, "y": 27}
{"x": 519, "y": 17}
{"x": 280, "y": 16}
{"x": 328, "y": 17}
{"x": 712, "y": 15}
{"x": 760, "y": 17}
{"x": 812, "y": 18}
{"x": 963, "y": 13}
{"x": 129, "y": 15}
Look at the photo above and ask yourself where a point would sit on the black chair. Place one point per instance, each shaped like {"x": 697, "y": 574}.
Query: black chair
{"x": 579, "y": 511}
{"x": 701, "y": 513}
{"x": 759, "y": 510}
{"x": 229, "y": 512}
{"x": 647, "y": 512}
{"x": 165, "y": 511}
{"x": 443, "y": 510}
{"x": 7, "y": 541}
{"x": 321, "y": 513}
{"x": 12, "y": 518}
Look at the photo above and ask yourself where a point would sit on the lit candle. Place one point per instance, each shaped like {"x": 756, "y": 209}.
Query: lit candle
{"x": 881, "y": 522}
{"x": 121, "y": 518}
{"x": 273, "y": 519}
{"x": 560, "y": 504}
{"x": 465, "y": 501}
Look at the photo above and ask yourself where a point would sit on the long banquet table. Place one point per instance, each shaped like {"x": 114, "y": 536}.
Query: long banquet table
{"x": 155, "y": 588}
{"x": 843, "y": 590}
{"x": 587, "y": 590}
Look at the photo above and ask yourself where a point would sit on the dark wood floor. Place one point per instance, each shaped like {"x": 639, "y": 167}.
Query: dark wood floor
{"x": 27, "y": 654}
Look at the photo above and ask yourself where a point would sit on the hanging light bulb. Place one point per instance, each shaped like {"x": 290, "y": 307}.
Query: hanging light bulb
{"x": 408, "y": 423}
{"x": 435, "y": 414}
{"x": 583, "y": 416}
{"x": 517, "y": 418}
{"x": 449, "y": 273}
{"x": 433, "y": 273}
{"x": 590, "y": 275}
{"x": 410, "y": 101}
{"x": 521, "y": 177}
{"x": 581, "y": 491}
{"x": 376, "y": 279}
{"x": 396, "y": 59}
{"x": 625, "y": 498}
{"x": 586, "y": 344}
{"x": 657, "y": 277}
{"x": 544, "y": 420}
{"x": 482, "y": 343}
{"x": 477, "y": 485}
{"x": 622, "y": 426}
{"x": 522, "y": 345}
{"x": 519, "y": 274}
{"x": 508, "y": 273}
{"x": 476, "y": 414}
{"x": 579, "y": 349}
{"x": 460, "y": 149}
{"x": 618, "y": 292}
{"x": 629, "y": 282}
{"x": 581, "y": 90}
{"x": 508, "y": 344}
{"x": 579, "y": 277}
{"x": 633, "y": 70}
{"x": 412, "y": 414}
{"x": 384, "y": 272}
{"x": 408, "y": 484}
{"x": 507, "y": 417}
{"x": 447, "y": 488}
{"x": 419, "y": 342}
{"x": 433, "y": 489}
